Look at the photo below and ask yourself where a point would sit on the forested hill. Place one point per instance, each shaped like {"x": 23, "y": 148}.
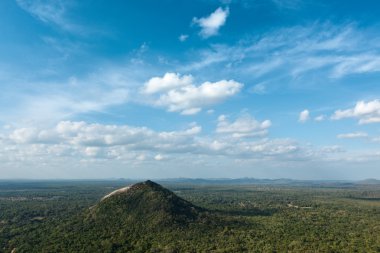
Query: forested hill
{"x": 134, "y": 218}
{"x": 146, "y": 203}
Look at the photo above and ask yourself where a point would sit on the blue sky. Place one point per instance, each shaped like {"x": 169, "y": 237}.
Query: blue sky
{"x": 203, "y": 88}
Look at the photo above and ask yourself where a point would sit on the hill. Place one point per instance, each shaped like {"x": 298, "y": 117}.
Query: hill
{"x": 145, "y": 203}
{"x": 137, "y": 218}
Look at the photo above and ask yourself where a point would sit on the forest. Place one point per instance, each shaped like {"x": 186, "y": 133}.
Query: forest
{"x": 57, "y": 216}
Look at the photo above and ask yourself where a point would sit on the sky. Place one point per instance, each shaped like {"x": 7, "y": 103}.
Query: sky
{"x": 200, "y": 89}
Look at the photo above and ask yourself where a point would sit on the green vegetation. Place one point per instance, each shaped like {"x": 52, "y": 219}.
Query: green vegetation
{"x": 71, "y": 217}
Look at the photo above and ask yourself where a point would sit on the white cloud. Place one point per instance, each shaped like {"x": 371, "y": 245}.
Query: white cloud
{"x": 205, "y": 94}
{"x": 304, "y": 116}
{"x": 33, "y": 135}
{"x": 193, "y": 97}
{"x": 159, "y": 157}
{"x": 180, "y": 94}
{"x": 92, "y": 151}
{"x": 69, "y": 128}
{"x": 167, "y": 82}
{"x": 352, "y": 135}
{"x": 24, "y": 135}
{"x": 366, "y": 112}
{"x": 243, "y": 126}
{"x": 320, "y": 118}
{"x": 210, "y": 25}
{"x": 183, "y": 37}
{"x": 195, "y": 129}
{"x": 191, "y": 111}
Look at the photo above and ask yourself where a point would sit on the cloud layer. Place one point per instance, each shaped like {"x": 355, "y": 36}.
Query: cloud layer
{"x": 81, "y": 139}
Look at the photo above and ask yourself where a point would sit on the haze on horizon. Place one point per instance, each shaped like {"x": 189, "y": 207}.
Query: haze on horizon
{"x": 204, "y": 88}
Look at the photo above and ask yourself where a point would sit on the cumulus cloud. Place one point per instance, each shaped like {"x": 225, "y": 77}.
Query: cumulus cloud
{"x": 92, "y": 151}
{"x": 352, "y": 135}
{"x": 33, "y": 135}
{"x": 192, "y": 98}
{"x": 304, "y": 116}
{"x": 210, "y": 25}
{"x": 366, "y": 112}
{"x": 98, "y": 135}
{"x": 83, "y": 140}
{"x": 244, "y": 126}
{"x": 180, "y": 94}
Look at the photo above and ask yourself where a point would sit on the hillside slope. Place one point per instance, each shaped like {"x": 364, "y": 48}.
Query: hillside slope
{"x": 145, "y": 203}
